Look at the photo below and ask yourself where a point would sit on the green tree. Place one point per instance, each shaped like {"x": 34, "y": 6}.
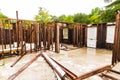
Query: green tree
{"x": 108, "y": 14}
{"x": 95, "y": 15}
{"x": 114, "y": 4}
{"x": 81, "y": 18}
{"x": 65, "y": 18}
{"x": 2, "y": 15}
{"x": 43, "y": 16}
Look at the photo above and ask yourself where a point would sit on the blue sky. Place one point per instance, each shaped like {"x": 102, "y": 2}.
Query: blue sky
{"x": 29, "y": 8}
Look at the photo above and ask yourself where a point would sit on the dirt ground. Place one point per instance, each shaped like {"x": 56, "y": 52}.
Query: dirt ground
{"x": 78, "y": 60}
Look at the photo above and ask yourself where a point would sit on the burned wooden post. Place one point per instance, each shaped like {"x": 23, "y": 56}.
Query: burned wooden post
{"x": 48, "y": 37}
{"x": 57, "y": 43}
{"x": 9, "y": 35}
{"x": 35, "y": 36}
{"x": 17, "y": 30}
{"x": 77, "y": 34}
{"x": 116, "y": 48}
{"x": 30, "y": 36}
{"x": 101, "y": 35}
{"x": 24, "y": 37}
{"x": 74, "y": 33}
{"x": 2, "y": 38}
{"x": 40, "y": 36}
{"x": 44, "y": 35}
{"x": 51, "y": 35}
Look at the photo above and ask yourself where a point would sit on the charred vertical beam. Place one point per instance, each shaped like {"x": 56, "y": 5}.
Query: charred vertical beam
{"x": 74, "y": 33}
{"x": 104, "y": 35}
{"x": 24, "y": 38}
{"x": 51, "y": 32}
{"x": 21, "y": 36}
{"x": 35, "y": 36}
{"x": 30, "y": 36}
{"x": 116, "y": 40}
{"x": 81, "y": 35}
{"x": 86, "y": 36}
{"x": 77, "y": 35}
{"x": 2, "y": 39}
{"x": 98, "y": 35}
{"x": 44, "y": 36}
{"x": 40, "y": 36}
{"x": 17, "y": 30}
{"x": 4, "y": 35}
{"x": 48, "y": 41}
{"x": 57, "y": 49}
{"x": 9, "y": 35}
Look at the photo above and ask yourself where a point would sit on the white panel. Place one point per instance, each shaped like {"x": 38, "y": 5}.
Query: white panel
{"x": 110, "y": 34}
{"x": 65, "y": 33}
{"x": 92, "y": 33}
{"x": 91, "y": 43}
{"x": 91, "y": 37}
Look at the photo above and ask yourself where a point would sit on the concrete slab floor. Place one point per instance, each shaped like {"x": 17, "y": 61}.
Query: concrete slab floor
{"x": 79, "y": 61}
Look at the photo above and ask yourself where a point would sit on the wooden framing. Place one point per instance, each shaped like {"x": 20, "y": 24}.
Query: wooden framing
{"x": 116, "y": 48}
{"x": 94, "y": 72}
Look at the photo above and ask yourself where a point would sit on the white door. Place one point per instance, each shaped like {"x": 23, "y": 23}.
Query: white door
{"x": 110, "y": 34}
{"x": 91, "y": 37}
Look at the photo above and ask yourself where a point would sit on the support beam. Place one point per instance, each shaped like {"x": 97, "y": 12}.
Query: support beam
{"x": 57, "y": 43}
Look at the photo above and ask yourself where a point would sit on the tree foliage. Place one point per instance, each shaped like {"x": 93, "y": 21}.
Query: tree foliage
{"x": 65, "y": 18}
{"x": 114, "y": 4}
{"x": 43, "y": 16}
{"x": 81, "y": 18}
{"x": 94, "y": 16}
{"x": 2, "y": 15}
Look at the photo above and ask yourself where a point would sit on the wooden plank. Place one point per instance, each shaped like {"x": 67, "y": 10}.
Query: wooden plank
{"x": 59, "y": 71}
{"x": 68, "y": 72}
{"x": 115, "y": 71}
{"x": 93, "y": 72}
{"x": 110, "y": 77}
{"x": 12, "y": 77}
